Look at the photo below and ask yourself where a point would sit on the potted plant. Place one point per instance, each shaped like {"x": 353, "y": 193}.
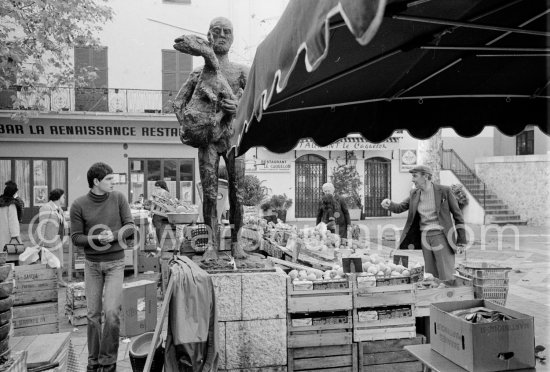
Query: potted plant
{"x": 253, "y": 190}
{"x": 347, "y": 183}
{"x": 280, "y": 204}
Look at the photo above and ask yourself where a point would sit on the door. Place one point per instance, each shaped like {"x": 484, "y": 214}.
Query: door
{"x": 311, "y": 174}
{"x": 377, "y": 186}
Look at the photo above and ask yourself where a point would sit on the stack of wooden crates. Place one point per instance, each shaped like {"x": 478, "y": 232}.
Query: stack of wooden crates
{"x": 35, "y": 309}
{"x": 75, "y": 304}
{"x": 383, "y": 323}
{"x": 320, "y": 328}
{"x": 6, "y": 304}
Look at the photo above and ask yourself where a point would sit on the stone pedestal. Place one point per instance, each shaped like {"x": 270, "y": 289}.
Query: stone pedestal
{"x": 252, "y": 321}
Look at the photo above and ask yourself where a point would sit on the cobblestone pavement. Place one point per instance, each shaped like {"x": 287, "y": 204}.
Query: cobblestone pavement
{"x": 526, "y": 249}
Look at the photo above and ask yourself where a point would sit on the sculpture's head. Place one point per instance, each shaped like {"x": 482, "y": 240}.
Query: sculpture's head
{"x": 220, "y": 35}
{"x": 192, "y": 44}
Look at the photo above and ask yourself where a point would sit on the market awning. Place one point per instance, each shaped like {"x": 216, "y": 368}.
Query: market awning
{"x": 332, "y": 67}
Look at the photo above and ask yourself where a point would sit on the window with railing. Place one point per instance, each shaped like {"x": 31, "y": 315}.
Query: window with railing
{"x": 176, "y": 68}
{"x": 525, "y": 143}
{"x": 96, "y": 99}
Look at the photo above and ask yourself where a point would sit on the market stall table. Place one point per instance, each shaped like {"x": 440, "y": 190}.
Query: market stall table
{"x": 438, "y": 363}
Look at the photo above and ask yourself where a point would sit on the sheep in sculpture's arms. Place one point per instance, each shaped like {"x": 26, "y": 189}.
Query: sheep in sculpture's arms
{"x": 203, "y": 119}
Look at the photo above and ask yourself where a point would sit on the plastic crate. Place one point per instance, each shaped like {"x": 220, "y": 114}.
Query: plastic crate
{"x": 483, "y": 270}
{"x": 199, "y": 237}
{"x": 490, "y": 282}
{"x": 497, "y": 295}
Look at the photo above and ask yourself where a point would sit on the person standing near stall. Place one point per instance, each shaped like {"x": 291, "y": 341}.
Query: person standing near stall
{"x": 9, "y": 220}
{"x": 432, "y": 208}
{"x": 334, "y": 212}
{"x": 52, "y": 228}
{"x": 159, "y": 222}
{"x": 101, "y": 222}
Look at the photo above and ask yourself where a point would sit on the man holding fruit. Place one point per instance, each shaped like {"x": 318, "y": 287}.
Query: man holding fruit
{"x": 435, "y": 223}
{"x": 101, "y": 222}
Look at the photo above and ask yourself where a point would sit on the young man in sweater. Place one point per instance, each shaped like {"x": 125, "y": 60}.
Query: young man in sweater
{"x": 100, "y": 223}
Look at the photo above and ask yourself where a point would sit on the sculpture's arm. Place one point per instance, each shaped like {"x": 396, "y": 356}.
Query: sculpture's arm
{"x": 230, "y": 105}
{"x": 186, "y": 91}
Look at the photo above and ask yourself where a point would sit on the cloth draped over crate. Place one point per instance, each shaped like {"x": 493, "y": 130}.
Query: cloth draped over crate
{"x": 192, "y": 336}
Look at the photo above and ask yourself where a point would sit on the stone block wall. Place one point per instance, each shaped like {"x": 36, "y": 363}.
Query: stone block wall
{"x": 522, "y": 182}
{"x": 252, "y": 321}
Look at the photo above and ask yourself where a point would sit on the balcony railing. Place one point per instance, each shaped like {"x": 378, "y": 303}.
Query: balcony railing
{"x": 88, "y": 99}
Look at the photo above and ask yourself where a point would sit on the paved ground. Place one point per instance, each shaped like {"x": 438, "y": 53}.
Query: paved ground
{"x": 525, "y": 249}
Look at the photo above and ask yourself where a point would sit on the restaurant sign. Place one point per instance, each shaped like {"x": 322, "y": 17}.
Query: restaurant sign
{"x": 350, "y": 144}
{"x": 273, "y": 165}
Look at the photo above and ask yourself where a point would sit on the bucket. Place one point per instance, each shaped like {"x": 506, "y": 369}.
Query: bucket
{"x": 139, "y": 348}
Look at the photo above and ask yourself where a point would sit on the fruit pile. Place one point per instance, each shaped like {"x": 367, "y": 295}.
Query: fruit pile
{"x": 311, "y": 275}
{"x": 430, "y": 281}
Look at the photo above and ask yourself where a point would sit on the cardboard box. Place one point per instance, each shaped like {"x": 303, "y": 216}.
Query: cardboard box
{"x": 482, "y": 347}
{"x": 139, "y": 308}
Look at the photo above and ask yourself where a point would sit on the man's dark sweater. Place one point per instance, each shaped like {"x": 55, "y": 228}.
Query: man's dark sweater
{"x": 93, "y": 210}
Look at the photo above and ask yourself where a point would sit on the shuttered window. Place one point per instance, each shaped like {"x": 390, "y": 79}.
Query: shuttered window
{"x": 176, "y": 68}
{"x": 525, "y": 143}
{"x": 6, "y": 95}
{"x": 94, "y": 97}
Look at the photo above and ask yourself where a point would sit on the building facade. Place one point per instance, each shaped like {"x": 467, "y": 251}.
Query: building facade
{"x": 124, "y": 117}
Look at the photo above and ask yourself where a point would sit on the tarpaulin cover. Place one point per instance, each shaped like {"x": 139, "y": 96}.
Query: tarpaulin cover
{"x": 331, "y": 67}
{"x": 192, "y": 336}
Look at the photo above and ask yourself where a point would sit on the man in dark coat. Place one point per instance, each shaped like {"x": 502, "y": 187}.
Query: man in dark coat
{"x": 334, "y": 212}
{"x": 429, "y": 223}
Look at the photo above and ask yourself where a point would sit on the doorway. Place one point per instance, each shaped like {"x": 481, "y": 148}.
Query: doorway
{"x": 377, "y": 186}
{"x": 311, "y": 174}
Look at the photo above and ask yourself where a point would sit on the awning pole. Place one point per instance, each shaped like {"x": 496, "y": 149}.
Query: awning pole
{"x": 447, "y": 22}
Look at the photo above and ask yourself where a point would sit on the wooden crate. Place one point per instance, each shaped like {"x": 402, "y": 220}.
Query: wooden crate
{"x": 423, "y": 298}
{"x": 35, "y": 319}
{"x": 389, "y": 355}
{"x": 75, "y": 296}
{"x": 32, "y": 272}
{"x": 320, "y": 299}
{"x": 338, "y": 331}
{"x": 34, "y": 284}
{"x": 383, "y": 329}
{"x": 336, "y": 358}
{"x": 76, "y": 316}
{"x": 387, "y": 295}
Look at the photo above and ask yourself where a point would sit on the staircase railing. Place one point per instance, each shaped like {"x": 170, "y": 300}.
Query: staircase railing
{"x": 451, "y": 161}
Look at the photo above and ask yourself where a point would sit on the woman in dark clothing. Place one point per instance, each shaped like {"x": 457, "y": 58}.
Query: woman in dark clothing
{"x": 159, "y": 222}
{"x": 334, "y": 212}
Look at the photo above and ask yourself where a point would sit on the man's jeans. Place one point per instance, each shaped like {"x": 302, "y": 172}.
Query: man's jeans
{"x": 103, "y": 282}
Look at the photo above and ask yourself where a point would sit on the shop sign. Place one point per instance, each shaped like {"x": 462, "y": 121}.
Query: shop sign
{"x": 273, "y": 165}
{"x": 350, "y": 144}
{"x": 72, "y": 131}
{"x": 407, "y": 160}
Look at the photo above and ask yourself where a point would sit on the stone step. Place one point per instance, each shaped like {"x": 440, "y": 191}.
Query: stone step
{"x": 495, "y": 206}
{"x": 494, "y": 202}
{"x": 473, "y": 187}
{"x": 504, "y": 218}
{"x": 517, "y": 221}
{"x": 499, "y": 212}
{"x": 481, "y": 196}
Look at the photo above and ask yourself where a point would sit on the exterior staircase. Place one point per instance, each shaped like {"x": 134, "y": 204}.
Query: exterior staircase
{"x": 496, "y": 211}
